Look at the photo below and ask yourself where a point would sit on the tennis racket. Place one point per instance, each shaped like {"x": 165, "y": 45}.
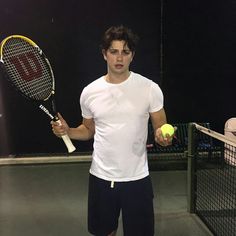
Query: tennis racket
{"x": 28, "y": 69}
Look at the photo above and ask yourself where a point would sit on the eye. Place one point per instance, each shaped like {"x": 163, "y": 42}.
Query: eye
{"x": 126, "y": 52}
{"x": 113, "y": 51}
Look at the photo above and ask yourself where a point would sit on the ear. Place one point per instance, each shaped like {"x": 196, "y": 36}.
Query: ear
{"x": 132, "y": 56}
{"x": 104, "y": 53}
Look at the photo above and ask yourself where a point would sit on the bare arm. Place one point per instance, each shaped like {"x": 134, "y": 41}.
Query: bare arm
{"x": 83, "y": 132}
{"x": 158, "y": 119}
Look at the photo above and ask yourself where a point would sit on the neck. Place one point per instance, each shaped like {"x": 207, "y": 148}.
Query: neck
{"x": 116, "y": 79}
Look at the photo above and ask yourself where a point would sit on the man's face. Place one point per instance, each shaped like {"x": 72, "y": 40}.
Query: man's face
{"x": 118, "y": 57}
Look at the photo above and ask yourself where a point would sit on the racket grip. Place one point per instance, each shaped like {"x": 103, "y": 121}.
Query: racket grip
{"x": 67, "y": 141}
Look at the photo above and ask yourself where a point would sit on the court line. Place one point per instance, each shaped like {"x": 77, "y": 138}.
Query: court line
{"x": 44, "y": 159}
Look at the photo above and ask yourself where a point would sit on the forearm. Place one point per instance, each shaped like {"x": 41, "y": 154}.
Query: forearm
{"x": 81, "y": 132}
{"x": 158, "y": 119}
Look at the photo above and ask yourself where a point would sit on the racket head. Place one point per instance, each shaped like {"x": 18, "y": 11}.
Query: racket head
{"x": 27, "y": 68}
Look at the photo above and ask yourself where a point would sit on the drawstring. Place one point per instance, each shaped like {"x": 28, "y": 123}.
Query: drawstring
{"x": 112, "y": 184}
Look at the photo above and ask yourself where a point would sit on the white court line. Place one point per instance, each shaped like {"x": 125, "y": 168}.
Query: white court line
{"x": 44, "y": 159}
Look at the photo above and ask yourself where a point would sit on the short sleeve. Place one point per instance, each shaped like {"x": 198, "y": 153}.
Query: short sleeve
{"x": 86, "y": 113}
{"x": 156, "y": 98}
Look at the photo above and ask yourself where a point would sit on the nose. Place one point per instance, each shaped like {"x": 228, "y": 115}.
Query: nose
{"x": 119, "y": 57}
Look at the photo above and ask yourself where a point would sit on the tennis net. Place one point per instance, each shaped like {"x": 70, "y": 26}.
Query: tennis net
{"x": 212, "y": 180}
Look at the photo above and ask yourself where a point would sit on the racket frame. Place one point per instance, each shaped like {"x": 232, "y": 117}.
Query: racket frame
{"x": 54, "y": 117}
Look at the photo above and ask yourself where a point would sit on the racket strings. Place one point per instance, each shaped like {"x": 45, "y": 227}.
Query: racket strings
{"x": 28, "y": 69}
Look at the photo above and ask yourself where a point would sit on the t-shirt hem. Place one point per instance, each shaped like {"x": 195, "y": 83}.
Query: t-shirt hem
{"x": 120, "y": 179}
{"x": 87, "y": 117}
{"x": 156, "y": 109}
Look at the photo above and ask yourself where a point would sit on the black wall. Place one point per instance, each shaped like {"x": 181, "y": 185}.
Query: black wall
{"x": 188, "y": 49}
{"x": 199, "y": 63}
{"x": 69, "y": 33}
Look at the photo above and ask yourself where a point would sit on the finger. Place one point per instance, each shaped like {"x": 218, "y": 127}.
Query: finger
{"x": 54, "y": 123}
{"x": 60, "y": 116}
{"x": 58, "y": 131}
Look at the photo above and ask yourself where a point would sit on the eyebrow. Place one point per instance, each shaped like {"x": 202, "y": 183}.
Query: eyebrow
{"x": 124, "y": 49}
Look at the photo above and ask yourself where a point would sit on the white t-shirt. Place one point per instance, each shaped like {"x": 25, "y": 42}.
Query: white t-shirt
{"x": 121, "y": 113}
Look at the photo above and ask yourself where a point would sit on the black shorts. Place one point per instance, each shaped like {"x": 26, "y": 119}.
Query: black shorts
{"x": 134, "y": 199}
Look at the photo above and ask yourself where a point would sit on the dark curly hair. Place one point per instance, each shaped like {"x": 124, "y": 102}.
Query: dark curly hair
{"x": 119, "y": 33}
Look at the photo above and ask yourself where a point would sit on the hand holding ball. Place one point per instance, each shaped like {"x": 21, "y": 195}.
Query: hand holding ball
{"x": 167, "y": 129}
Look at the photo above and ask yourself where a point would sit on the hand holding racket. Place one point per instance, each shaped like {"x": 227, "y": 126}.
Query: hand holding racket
{"x": 28, "y": 69}
{"x": 59, "y": 129}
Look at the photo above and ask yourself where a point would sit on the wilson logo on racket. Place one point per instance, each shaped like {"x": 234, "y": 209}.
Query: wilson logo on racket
{"x": 28, "y": 69}
{"x": 27, "y": 66}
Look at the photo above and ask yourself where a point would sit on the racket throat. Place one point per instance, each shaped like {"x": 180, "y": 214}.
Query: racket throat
{"x": 45, "y": 110}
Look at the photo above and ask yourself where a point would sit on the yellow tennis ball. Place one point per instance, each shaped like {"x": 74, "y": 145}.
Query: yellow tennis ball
{"x": 167, "y": 129}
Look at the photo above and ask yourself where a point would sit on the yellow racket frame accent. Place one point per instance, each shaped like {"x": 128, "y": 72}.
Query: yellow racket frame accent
{"x": 16, "y": 36}
{"x": 65, "y": 138}
{"x": 34, "y": 45}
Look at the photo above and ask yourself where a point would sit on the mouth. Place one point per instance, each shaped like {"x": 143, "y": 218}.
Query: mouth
{"x": 119, "y": 66}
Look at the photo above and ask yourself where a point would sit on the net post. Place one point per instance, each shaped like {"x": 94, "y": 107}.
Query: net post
{"x": 191, "y": 154}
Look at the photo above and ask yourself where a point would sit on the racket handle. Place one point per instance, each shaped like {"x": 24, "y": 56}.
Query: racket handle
{"x": 67, "y": 141}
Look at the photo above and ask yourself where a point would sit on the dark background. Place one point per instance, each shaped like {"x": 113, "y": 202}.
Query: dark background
{"x": 187, "y": 47}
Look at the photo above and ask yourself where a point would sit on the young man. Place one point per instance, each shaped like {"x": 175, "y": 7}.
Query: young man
{"x": 115, "y": 109}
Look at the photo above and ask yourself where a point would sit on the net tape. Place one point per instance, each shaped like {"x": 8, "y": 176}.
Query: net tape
{"x": 216, "y": 135}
